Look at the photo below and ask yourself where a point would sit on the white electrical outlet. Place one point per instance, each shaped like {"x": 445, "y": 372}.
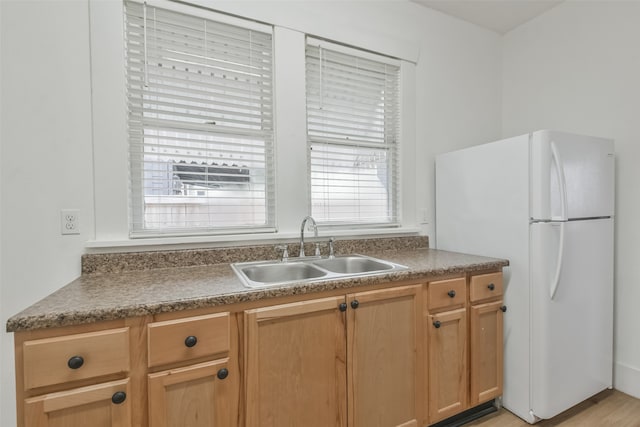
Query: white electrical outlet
{"x": 70, "y": 221}
{"x": 425, "y": 216}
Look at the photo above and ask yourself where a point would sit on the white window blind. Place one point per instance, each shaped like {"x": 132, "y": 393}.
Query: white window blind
{"x": 200, "y": 103}
{"x": 352, "y": 135}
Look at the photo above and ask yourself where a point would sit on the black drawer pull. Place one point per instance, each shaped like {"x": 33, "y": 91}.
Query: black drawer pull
{"x": 451, "y": 293}
{"x": 75, "y": 362}
{"x": 119, "y": 397}
{"x": 190, "y": 341}
{"x": 491, "y": 286}
{"x": 223, "y": 373}
{"x": 437, "y": 324}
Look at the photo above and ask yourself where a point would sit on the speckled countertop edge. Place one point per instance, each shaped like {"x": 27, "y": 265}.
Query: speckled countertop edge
{"x": 110, "y": 296}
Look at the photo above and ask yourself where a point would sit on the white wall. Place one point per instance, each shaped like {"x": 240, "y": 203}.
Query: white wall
{"x": 48, "y": 134}
{"x": 576, "y": 68}
{"x": 46, "y": 157}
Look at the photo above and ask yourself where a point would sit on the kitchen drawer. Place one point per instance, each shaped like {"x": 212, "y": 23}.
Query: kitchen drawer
{"x": 446, "y": 294}
{"x": 486, "y": 286}
{"x": 185, "y": 339}
{"x": 75, "y": 357}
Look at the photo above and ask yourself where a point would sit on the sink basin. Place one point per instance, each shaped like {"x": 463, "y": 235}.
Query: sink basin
{"x": 352, "y": 265}
{"x": 310, "y": 269}
{"x": 282, "y": 272}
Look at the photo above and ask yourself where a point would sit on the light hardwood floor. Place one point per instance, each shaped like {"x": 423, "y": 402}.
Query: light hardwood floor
{"x": 610, "y": 408}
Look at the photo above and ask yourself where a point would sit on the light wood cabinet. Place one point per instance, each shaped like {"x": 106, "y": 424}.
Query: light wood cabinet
{"x": 311, "y": 363}
{"x": 447, "y": 355}
{"x": 486, "y": 337}
{"x": 181, "y": 340}
{"x": 465, "y": 343}
{"x": 101, "y": 405}
{"x": 65, "y": 380}
{"x": 295, "y": 365}
{"x": 194, "y": 396}
{"x": 383, "y": 362}
{"x": 75, "y": 357}
{"x": 448, "y": 373}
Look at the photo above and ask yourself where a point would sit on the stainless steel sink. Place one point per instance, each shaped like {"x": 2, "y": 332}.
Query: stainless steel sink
{"x": 310, "y": 269}
{"x": 353, "y": 265}
{"x": 282, "y": 272}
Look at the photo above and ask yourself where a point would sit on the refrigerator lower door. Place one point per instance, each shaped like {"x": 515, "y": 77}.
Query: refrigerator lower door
{"x": 571, "y": 320}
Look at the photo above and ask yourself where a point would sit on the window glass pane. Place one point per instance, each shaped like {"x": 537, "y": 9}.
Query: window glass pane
{"x": 350, "y": 184}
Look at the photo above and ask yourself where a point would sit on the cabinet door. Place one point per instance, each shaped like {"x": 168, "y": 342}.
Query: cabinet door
{"x": 194, "y": 396}
{"x": 486, "y": 352}
{"x": 382, "y": 358}
{"x": 102, "y": 405}
{"x": 448, "y": 374}
{"x": 295, "y": 365}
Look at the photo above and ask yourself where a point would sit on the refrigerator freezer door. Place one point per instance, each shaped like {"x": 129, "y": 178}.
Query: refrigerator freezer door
{"x": 572, "y": 333}
{"x": 586, "y": 164}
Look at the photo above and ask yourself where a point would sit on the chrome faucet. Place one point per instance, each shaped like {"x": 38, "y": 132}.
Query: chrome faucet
{"x": 302, "y": 226}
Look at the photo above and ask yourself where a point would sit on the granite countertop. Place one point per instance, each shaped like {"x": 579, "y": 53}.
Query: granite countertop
{"x": 114, "y": 295}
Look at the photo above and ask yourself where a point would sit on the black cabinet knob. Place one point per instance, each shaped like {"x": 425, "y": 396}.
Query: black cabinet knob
{"x": 190, "y": 341}
{"x": 503, "y": 308}
{"x": 451, "y": 293}
{"x": 223, "y": 373}
{"x": 75, "y": 362}
{"x": 343, "y": 306}
{"x": 119, "y": 397}
{"x": 355, "y": 303}
{"x": 437, "y": 324}
{"x": 491, "y": 286}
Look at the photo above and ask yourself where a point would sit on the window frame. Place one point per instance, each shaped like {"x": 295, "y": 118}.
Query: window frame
{"x": 137, "y": 193}
{"x": 393, "y": 147}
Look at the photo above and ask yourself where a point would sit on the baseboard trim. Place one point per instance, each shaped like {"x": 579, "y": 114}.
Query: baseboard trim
{"x": 468, "y": 415}
{"x": 626, "y": 379}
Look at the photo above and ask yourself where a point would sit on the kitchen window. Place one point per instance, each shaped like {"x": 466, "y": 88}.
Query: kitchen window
{"x": 200, "y": 123}
{"x": 352, "y": 135}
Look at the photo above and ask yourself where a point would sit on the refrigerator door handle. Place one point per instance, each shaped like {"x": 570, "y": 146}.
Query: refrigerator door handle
{"x": 556, "y": 278}
{"x": 561, "y": 180}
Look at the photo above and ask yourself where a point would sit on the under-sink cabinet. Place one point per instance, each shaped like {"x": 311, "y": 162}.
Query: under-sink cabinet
{"x": 349, "y": 360}
{"x": 406, "y": 354}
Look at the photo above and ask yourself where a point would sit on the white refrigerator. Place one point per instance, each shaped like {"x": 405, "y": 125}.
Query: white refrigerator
{"x": 545, "y": 202}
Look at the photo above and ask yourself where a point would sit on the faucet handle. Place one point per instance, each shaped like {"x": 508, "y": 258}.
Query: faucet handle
{"x": 331, "y": 253}
{"x": 285, "y": 252}
{"x": 317, "y": 249}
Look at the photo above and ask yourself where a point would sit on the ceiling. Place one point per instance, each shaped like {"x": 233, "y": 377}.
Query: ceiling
{"x": 500, "y": 16}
